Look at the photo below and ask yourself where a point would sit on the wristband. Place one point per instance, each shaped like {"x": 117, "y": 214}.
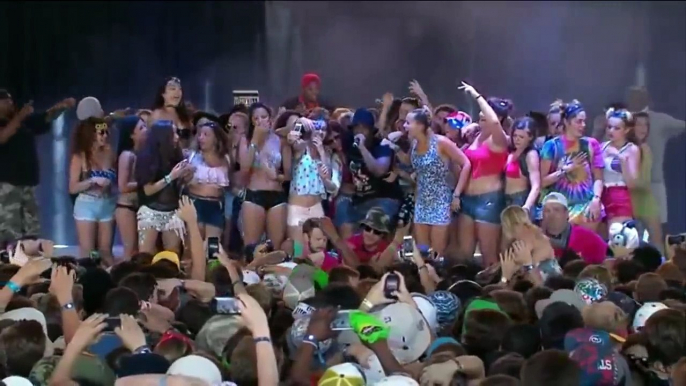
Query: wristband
{"x": 14, "y": 287}
{"x": 367, "y": 305}
{"x": 478, "y": 96}
{"x": 167, "y": 179}
{"x": 68, "y": 306}
{"x": 262, "y": 339}
{"x": 422, "y": 267}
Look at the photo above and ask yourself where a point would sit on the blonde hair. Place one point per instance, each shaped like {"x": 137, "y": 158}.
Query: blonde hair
{"x": 513, "y": 216}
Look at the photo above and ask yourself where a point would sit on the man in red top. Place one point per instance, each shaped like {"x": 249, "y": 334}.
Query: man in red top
{"x": 309, "y": 96}
{"x": 372, "y": 241}
{"x": 563, "y": 235}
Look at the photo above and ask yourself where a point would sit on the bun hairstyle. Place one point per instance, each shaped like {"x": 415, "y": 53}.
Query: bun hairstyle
{"x": 623, "y": 114}
{"x": 556, "y": 107}
{"x": 502, "y": 107}
{"x": 423, "y": 116}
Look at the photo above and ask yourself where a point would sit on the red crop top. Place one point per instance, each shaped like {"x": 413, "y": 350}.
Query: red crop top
{"x": 512, "y": 169}
{"x": 486, "y": 162}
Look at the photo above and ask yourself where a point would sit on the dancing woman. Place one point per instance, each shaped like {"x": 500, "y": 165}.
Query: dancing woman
{"x": 210, "y": 177}
{"x": 170, "y": 106}
{"x": 159, "y": 168}
{"x": 266, "y": 163}
{"x": 236, "y": 127}
{"x": 483, "y": 199}
{"x": 435, "y": 198}
{"x": 621, "y": 166}
{"x": 132, "y": 133}
{"x": 522, "y": 170}
{"x": 572, "y": 164}
{"x": 643, "y": 202}
{"x": 91, "y": 177}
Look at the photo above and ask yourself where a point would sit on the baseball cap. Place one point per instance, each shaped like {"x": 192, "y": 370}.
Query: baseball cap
{"x": 214, "y": 334}
{"x": 276, "y": 283}
{"x": 89, "y": 107}
{"x": 447, "y": 304}
{"x": 344, "y": 374}
{"x": 555, "y": 198}
{"x": 197, "y": 367}
{"x": 409, "y": 333}
{"x": 590, "y": 290}
{"x": 167, "y": 255}
{"x": 558, "y": 319}
{"x": 300, "y": 285}
{"x": 89, "y": 367}
{"x": 427, "y": 309}
{"x": 397, "y": 380}
{"x": 645, "y": 312}
{"x": 250, "y": 277}
{"x": 16, "y": 381}
{"x": 589, "y": 348}
{"x": 562, "y": 295}
{"x": 458, "y": 120}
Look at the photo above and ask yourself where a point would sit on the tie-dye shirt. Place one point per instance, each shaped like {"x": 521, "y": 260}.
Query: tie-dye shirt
{"x": 577, "y": 186}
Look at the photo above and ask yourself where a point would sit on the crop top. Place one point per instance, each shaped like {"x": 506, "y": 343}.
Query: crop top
{"x": 486, "y": 162}
{"x": 208, "y": 175}
{"x": 512, "y": 169}
{"x": 612, "y": 170}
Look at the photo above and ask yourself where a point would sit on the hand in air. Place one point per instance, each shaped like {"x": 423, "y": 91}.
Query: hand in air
{"x": 468, "y": 89}
{"x": 387, "y": 99}
{"x": 416, "y": 89}
{"x": 186, "y": 211}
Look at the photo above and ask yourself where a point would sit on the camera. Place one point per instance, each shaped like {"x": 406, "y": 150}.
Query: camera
{"x": 225, "y": 306}
{"x": 676, "y": 239}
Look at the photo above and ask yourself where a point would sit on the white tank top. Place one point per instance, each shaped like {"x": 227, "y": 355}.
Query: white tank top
{"x": 612, "y": 172}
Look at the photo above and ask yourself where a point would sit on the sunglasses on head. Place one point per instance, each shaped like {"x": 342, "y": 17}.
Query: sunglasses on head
{"x": 369, "y": 229}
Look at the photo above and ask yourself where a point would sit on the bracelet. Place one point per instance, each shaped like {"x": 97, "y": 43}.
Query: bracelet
{"x": 503, "y": 280}
{"x": 422, "y": 267}
{"x": 68, "y": 306}
{"x": 366, "y": 305}
{"x": 460, "y": 367}
{"x": 262, "y": 339}
{"x": 167, "y": 179}
{"x": 478, "y": 96}
{"x": 235, "y": 283}
{"x": 14, "y": 287}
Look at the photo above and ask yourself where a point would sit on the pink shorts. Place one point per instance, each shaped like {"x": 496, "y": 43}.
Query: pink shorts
{"x": 617, "y": 202}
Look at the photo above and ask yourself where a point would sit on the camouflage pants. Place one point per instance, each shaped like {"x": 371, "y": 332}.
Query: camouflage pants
{"x": 18, "y": 212}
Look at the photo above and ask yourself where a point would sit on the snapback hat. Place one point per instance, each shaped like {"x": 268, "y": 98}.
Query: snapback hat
{"x": 555, "y": 198}
{"x": 344, "y": 374}
{"x": 562, "y": 295}
{"x": 167, "y": 255}
{"x": 409, "y": 335}
{"x": 198, "y": 367}
{"x": 447, "y": 304}
{"x": 427, "y": 309}
{"x": 590, "y": 290}
{"x": 300, "y": 285}
{"x": 89, "y": 107}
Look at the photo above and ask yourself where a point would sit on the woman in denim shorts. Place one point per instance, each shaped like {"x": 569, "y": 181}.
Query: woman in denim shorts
{"x": 91, "y": 178}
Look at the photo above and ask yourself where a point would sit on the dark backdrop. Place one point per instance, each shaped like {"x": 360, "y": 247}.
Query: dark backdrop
{"x": 532, "y": 52}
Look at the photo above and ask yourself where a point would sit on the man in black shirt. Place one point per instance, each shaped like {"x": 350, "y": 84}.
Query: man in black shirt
{"x": 19, "y": 172}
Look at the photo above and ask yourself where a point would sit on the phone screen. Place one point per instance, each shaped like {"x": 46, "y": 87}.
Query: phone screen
{"x": 342, "y": 321}
{"x": 391, "y": 285}
{"x": 212, "y": 247}
{"x": 226, "y": 306}
{"x": 408, "y": 247}
{"x": 676, "y": 240}
{"x": 112, "y": 323}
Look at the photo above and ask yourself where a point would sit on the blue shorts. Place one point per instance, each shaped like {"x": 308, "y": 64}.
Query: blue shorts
{"x": 347, "y": 213}
{"x": 94, "y": 209}
{"x": 518, "y": 198}
{"x": 228, "y": 204}
{"x": 210, "y": 211}
{"x": 484, "y": 207}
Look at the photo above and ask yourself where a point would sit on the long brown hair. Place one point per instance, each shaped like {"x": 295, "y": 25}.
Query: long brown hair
{"x": 83, "y": 137}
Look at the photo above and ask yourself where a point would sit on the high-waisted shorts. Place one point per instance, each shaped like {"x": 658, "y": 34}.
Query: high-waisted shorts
{"x": 267, "y": 199}
{"x": 485, "y": 207}
{"x": 617, "y": 202}
{"x": 297, "y": 215}
{"x": 93, "y": 208}
{"x": 210, "y": 210}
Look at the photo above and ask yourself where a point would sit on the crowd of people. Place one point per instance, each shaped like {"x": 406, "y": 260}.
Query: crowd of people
{"x": 400, "y": 244}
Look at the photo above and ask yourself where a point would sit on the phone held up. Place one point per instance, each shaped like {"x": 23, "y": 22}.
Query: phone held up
{"x": 225, "y": 306}
{"x": 676, "y": 239}
{"x": 391, "y": 285}
{"x": 212, "y": 247}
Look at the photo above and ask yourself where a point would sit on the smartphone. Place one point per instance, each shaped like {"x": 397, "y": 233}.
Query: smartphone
{"x": 225, "y": 306}
{"x": 245, "y": 97}
{"x": 342, "y": 321}
{"x": 676, "y": 240}
{"x": 212, "y": 247}
{"x": 391, "y": 285}
{"x": 112, "y": 323}
{"x": 425, "y": 252}
{"x": 408, "y": 247}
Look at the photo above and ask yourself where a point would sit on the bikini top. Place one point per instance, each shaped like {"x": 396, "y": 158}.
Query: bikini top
{"x": 486, "y": 162}
{"x": 208, "y": 175}
{"x": 512, "y": 169}
{"x": 306, "y": 180}
{"x": 612, "y": 171}
{"x": 109, "y": 174}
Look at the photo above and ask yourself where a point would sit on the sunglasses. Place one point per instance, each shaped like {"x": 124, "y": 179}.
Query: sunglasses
{"x": 369, "y": 229}
{"x": 331, "y": 140}
{"x": 103, "y": 132}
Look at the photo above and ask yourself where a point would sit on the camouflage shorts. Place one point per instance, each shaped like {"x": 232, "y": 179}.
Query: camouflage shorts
{"x": 18, "y": 212}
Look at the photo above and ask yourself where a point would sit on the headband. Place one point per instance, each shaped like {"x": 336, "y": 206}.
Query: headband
{"x": 573, "y": 109}
{"x": 618, "y": 113}
{"x": 458, "y": 120}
